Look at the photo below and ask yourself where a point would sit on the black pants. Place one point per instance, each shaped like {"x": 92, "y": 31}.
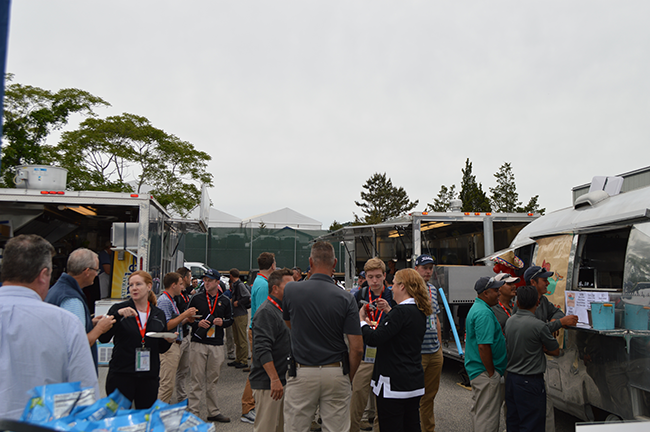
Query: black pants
{"x": 399, "y": 415}
{"x": 142, "y": 391}
{"x": 526, "y": 403}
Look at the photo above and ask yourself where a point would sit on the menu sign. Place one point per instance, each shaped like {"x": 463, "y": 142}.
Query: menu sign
{"x": 579, "y": 302}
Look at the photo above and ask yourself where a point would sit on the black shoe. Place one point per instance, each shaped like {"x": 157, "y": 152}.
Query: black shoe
{"x": 233, "y": 363}
{"x": 219, "y": 418}
{"x": 241, "y": 365}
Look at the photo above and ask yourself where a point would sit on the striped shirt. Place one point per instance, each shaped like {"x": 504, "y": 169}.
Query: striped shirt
{"x": 431, "y": 343}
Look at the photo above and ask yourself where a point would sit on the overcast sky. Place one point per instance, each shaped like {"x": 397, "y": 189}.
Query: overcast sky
{"x": 300, "y": 102}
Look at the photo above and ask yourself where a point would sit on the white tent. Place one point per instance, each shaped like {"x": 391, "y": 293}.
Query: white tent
{"x": 285, "y": 217}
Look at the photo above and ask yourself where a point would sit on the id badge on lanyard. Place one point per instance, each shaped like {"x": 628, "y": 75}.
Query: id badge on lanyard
{"x": 142, "y": 360}
{"x": 143, "y": 354}
{"x": 370, "y": 354}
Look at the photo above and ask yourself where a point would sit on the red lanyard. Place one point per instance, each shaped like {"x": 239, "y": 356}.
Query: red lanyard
{"x": 260, "y": 274}
{"x": 173, "y": 303}
{"x": 142, "y": 328}
{"x": 504, "y": 308}
{"x": 185, "y": 299}
{"x": 214, "y": 306}
{"x": 276, "y": 305}
{"x": 373, "y": 315}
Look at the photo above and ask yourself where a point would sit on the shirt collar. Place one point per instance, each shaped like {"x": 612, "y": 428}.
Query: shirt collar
{"x": 409, "y": 300}
{"x": 19, "y": 291}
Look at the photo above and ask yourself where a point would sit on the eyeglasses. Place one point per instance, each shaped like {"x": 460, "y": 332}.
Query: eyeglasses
{"x": 95, "y": 269}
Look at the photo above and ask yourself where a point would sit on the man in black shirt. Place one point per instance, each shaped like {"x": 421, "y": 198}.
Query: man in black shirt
{"x": 272, "y": 346}
{"x": 207, "y": 351}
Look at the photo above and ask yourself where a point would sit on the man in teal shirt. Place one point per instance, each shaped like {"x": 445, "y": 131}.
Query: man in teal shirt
{"x": 485, "y": 357}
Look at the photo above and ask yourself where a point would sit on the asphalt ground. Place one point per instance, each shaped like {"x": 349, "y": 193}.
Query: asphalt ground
{"x": 452, "y": 404}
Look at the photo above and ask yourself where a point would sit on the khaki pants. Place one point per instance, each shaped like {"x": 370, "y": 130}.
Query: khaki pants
{"x": 229, "y": 341}
{"x": 241, "y": 339}
{"x": 432, "y": 365}
{"x": 168, "y": 368}
{"x": 360, "y": 393}
{"x": 247, "y": 400}
{"x": 205, "y": 365}
{"x": 314, "y": 386}
{"x": 488, "y": 395}
{"x": 183, "y": 372}
{"x": 268, "y": 415}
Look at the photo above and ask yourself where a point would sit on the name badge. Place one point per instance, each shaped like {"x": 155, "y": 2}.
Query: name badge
{"x": 370, "y": 354}
{"x": 211, "y": 332}
{"x": 142, "y": 360}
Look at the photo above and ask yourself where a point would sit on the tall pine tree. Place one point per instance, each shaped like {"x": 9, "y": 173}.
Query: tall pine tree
{"x": 471, "y": 192}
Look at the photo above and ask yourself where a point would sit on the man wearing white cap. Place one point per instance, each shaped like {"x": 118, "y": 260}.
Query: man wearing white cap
{"x": 507, "y": 292}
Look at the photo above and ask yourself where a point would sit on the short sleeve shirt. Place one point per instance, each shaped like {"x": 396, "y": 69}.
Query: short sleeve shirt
{"x": 320, "y": 314}
{"x": 526, "y": 337}
{"x": 482, "y": 328}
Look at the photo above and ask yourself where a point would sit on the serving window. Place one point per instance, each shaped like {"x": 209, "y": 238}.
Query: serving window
{"x": 601, "y": 258}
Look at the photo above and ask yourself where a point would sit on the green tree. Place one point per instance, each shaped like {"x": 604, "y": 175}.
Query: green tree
{"x": 103, "y": 153}
{"x": 382, "y": 200}
{"x": 532, "y": 206}
{"x": 442, "y": 202}
{"x": 471, "y": 192}
{"x": 504, "y": 196}
{"x": 335, "y": 226}
{"x": 30, "y": 114}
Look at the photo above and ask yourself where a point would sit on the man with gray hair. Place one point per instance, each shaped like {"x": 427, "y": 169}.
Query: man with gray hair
{"x": 83, "y": 266}
{"x": 39, "y": 343}
{"x": 320, "y": 315}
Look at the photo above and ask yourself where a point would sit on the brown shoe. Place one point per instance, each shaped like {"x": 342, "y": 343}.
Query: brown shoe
{"x": 246, "y": 369}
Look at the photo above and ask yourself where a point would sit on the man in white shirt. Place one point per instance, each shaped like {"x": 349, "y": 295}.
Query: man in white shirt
{"x": 39, "y": 343}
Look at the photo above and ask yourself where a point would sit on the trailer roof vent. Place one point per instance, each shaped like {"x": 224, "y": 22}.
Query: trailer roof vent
{"x": 455, "y": 205}
{"x": 590, "y": 199}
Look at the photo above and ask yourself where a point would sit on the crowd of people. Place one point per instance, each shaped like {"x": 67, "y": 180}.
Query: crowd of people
{"x": 369, "y": 359}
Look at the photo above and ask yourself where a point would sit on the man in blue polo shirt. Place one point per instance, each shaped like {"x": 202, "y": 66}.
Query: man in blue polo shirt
{"x": 485, "y": 356}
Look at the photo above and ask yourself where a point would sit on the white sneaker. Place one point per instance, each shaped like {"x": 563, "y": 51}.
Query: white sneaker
{"x": 249, "y": 417}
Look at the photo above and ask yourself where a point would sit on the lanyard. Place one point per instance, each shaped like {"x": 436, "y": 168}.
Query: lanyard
{"x": 260, "y": 274}
{"x": 211, "y": 308}
{"x": 173, "y": 303}
{"x": 373, "y": 315}
{"x": 140, "y": 326}
{"x": 504, "y": 308}
{"x": 276, "y": 305}
{"x": 185, "y": 299}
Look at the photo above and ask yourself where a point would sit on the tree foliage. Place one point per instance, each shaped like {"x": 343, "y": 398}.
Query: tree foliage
{"x": 104, "y": 153}
{"x": 382, "y": 200}
{"x": 442, "y": 202}
{"x": 471, "y": 192}
{"x": 504, "y": 196}
{"x": 30, "y": 114}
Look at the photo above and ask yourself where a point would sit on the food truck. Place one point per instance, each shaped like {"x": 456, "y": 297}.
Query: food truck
{"x": 599, "y": 251}
{"x": 457, "y": 241}
{"x": 144, "y": 236}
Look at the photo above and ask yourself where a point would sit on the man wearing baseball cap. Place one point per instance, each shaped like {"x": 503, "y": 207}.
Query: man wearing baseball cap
{"x": 206, "y": 347}
{"x": 485, "y": 356}
{"x": 505, "y": 303}
{"x": 431, "y": 353}
{"x": 554, "y": 318}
